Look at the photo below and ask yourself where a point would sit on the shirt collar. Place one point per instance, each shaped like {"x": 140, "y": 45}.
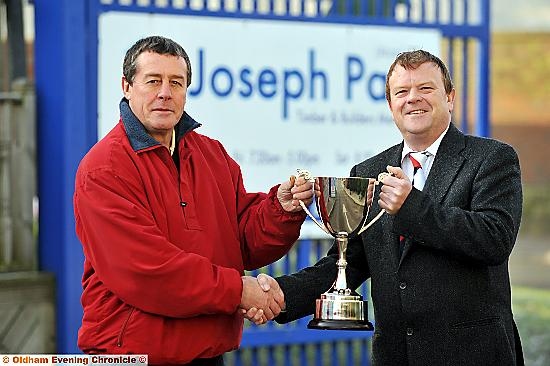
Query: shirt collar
{"x": 432, "y": 149}
{"x": 138, "y": 135}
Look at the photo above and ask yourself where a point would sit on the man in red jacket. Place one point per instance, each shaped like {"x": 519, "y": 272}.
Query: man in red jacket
{"x": 167, "y": 227}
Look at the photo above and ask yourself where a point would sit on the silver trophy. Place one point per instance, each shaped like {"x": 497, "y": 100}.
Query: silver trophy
{"x": 343, "y": 206}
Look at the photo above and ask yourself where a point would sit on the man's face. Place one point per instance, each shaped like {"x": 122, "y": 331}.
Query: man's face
{"x": 419, "y": 104}
{"x": 158, "y": 92}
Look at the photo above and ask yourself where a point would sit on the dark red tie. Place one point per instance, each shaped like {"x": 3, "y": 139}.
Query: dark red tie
{"x": 418, "y": 160}
{"x": 416, "y": 165}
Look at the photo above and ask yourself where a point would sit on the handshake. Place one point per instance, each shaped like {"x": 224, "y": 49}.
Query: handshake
{"x": 262, "y": 298}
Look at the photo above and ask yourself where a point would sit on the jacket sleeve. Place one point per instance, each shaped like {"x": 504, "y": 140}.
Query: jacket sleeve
{"x": 266, "y": 230}
{"x": 480, "y": 217}
{"x": 136, "y": 262}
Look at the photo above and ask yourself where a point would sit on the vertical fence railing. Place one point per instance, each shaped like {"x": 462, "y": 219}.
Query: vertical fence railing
{"x": 17, "y": 179}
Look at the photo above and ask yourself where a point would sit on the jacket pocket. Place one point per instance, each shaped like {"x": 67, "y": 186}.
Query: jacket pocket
{"x": 475, "y": 323}
{"x": 479, "y": 342}
{"x": 120, "y": 337}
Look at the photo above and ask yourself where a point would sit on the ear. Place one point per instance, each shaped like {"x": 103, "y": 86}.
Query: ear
{"x": 451, "y": 97}
{"x": 126, "y": 88}
{"x": 451, "y": 100}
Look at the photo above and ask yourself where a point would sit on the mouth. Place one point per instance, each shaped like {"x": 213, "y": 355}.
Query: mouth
{"x": 417, "y": 112}
{"x": 162, "y": 110}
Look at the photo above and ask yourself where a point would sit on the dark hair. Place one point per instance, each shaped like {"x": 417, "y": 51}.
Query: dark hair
{"x": 156, "y": 44}
{"x": 413, "y": 59}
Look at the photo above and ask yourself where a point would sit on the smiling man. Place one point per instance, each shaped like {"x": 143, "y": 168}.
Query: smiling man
{"x": 167, "y": 227}
{"x": 438, "y": 263}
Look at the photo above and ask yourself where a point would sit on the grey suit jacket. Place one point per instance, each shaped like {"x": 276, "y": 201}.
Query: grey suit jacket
{"x": 445, "y": 298}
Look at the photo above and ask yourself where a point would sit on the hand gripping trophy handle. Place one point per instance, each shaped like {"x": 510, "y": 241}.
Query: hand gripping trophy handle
{"x": 343, "y": 206}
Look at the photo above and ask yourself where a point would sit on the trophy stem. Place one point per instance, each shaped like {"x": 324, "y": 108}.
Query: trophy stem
{"x": 341, "y": 285}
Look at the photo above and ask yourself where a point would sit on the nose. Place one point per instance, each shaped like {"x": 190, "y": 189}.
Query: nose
{"x": 165, "y": 92}
{"x": 414, "y": 96}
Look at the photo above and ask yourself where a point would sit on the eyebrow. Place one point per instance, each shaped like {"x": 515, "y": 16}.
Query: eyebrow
{"x": 174, "y": 76}
{"x": 408, "y": 86}
{"x": 430, "y": 82}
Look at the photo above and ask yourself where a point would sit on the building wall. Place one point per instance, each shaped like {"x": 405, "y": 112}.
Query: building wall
{"x": 520, "y": 100}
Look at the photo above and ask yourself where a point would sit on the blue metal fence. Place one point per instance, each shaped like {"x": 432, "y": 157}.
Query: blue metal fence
{"x": 293, "y": 343}
{"x": 66, "y": 83}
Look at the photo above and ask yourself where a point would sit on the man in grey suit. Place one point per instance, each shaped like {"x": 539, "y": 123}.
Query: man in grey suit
{"x": 438, "y": 263}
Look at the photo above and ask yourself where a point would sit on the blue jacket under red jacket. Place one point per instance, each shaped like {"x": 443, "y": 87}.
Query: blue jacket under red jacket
{"x": 165, "y": 248}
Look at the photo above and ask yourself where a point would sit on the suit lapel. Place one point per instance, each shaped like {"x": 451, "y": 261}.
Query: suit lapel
{"x": 406, "y": 247}
{"x": 448, "y": 161}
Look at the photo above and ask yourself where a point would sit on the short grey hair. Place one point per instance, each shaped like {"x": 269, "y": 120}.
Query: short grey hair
{"x": 156, "y": 44}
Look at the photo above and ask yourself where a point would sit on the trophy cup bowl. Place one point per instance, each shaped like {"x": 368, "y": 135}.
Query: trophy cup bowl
{"x": 343, "y": 206}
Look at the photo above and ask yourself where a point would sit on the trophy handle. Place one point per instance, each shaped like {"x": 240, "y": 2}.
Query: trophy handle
{"x": 366, "y": 225}
{"x": 306, "y": 210}
{"x": 307, "y": 175}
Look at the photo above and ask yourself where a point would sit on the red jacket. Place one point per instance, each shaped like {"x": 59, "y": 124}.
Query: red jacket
{"x": 165, "y": 251}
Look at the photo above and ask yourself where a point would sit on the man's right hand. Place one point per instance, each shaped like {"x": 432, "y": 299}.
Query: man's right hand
{"x": 394, "y": 191}
{"x": 262, "y": 294}
{"x": 275, "y": 300}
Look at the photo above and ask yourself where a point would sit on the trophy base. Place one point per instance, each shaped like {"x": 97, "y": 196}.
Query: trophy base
{"x": 340, "y": 324}
{"x": 336, "y": 311}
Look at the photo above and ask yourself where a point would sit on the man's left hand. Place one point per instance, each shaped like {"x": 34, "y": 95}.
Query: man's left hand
{"x": 293, "y": 191}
